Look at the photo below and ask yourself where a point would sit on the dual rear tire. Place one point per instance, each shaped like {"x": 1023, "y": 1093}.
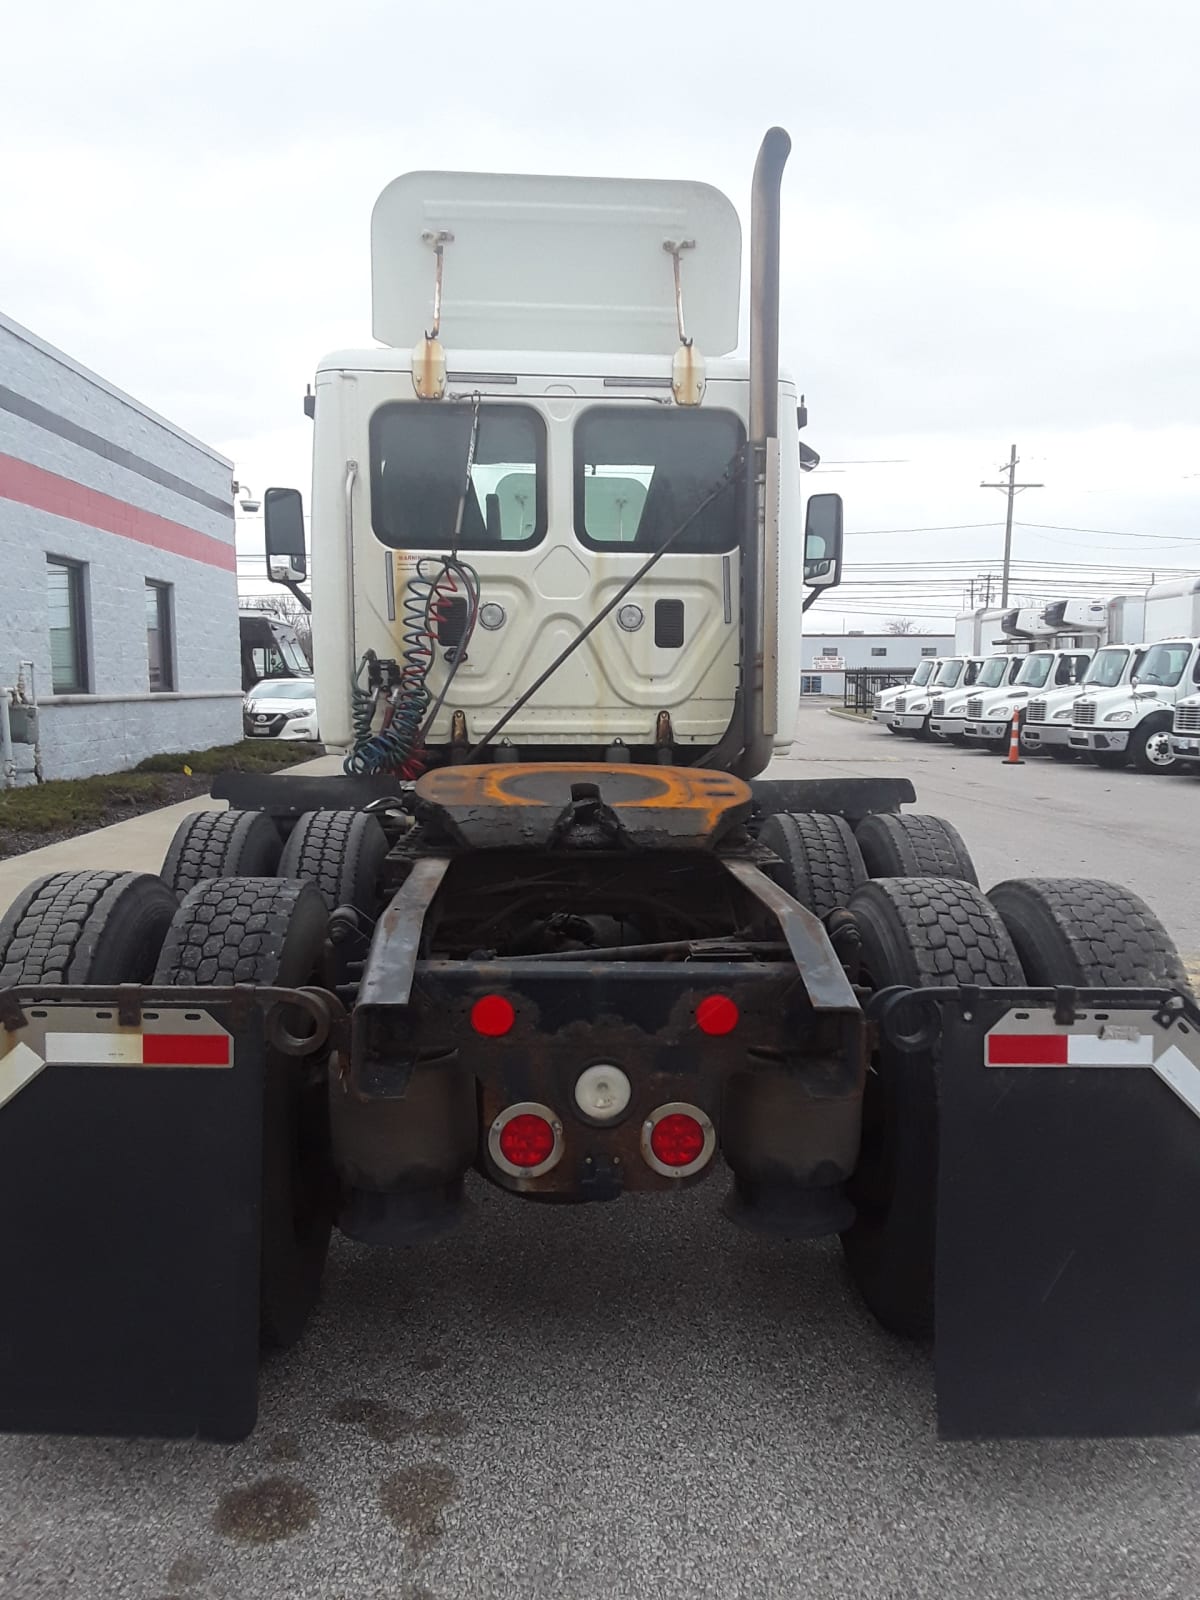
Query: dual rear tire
{"x": 923, "y": 933}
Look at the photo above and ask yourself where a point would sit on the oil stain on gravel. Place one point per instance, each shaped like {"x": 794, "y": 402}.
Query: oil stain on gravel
{"x": 285, "y": 1447}
{"x": 185, "y": 1571}
{"x": 265, "y": 1512}
{"x": 414, "y": 1499}
{"x": 388, "y": 1424}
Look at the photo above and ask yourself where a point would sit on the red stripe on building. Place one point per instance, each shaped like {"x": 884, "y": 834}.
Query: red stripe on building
{"x": 61, "y": 497}
{"x": 1027, "y": 1050}
{"x": 185, "y": 1050}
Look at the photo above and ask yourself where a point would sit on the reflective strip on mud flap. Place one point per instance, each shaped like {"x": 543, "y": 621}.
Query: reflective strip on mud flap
{"x": 1112, "y": 1045}
{"x": 193, "y": 1040}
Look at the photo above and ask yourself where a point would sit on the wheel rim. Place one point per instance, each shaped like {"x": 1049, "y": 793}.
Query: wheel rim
{"x": 1158, "y": 750}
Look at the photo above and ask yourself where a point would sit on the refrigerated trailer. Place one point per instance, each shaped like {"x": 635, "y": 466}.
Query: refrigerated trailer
{"x": 556, "y": 928}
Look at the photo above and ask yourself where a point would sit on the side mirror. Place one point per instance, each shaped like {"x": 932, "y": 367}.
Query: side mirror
{"x": 823, "y": 541}
{"x": 283, "y": 528}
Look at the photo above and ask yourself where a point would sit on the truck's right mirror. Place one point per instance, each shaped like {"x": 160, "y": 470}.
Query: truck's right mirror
{"x": 283, "y": 531}
{"x": 823, "y": 541}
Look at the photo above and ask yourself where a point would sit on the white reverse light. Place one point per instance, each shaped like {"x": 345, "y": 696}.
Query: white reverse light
{"x": 602, "y": 1092}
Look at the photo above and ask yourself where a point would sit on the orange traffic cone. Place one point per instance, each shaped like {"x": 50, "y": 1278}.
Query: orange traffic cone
{"x": 1013, "y": 758}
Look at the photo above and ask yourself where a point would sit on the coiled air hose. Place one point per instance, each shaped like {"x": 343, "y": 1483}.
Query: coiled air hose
{"x": 398, "y": 746}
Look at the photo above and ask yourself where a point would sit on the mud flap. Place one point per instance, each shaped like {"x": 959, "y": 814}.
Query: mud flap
{"x": 1068, "y": 1267}
{"x": 130, "y": 1178}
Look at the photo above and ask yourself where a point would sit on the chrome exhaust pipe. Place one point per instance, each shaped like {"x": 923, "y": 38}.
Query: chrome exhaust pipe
{"x": 759, "y": 582}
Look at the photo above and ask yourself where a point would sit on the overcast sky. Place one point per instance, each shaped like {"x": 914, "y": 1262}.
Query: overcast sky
{"x": 991, "y": 234}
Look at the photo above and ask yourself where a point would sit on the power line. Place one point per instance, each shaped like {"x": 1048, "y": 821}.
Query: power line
{"x": 950, "y": 527}
{"x": 1109, "y": 533}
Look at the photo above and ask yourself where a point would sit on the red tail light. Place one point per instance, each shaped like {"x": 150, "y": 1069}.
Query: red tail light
{"x": 678, "y": 1139}
{"x": 493, "y": 1016}
{"x": 717, "y": 1014}
{"x": 525, "y": 1140}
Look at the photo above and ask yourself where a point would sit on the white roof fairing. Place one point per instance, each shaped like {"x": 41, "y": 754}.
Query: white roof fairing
{"x": 555, "y": 264}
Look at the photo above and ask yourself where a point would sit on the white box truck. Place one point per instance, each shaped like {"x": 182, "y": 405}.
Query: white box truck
{"x": 948, "y": 713}
{"x": 1132, "y": 724}
{"x": 953, "y": 672}
{"x": 989, "y": 716}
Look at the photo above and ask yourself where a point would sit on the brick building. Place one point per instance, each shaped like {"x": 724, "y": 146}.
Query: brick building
{"x": 119, "y": 571}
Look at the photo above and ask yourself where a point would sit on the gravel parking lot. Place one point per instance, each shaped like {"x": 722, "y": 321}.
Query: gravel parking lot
{"x": 639, "y": 1400}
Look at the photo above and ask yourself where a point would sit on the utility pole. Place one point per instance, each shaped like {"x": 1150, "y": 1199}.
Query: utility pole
{"x": 1011, "y": 488}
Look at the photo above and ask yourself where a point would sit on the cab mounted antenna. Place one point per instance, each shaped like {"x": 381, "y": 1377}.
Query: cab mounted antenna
{"x": 429, "y": 359}
{"x": 687, "y": 369}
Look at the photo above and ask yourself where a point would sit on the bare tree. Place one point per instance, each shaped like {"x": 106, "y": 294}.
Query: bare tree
{"x": 901, "y": 625}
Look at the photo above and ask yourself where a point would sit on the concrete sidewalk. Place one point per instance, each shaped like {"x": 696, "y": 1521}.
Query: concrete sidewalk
{"x": 137, "y": 845}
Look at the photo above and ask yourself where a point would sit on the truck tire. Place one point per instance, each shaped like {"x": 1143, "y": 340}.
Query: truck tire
{"x": 1086, "y": 933}
{"x": 820, "y": 863}
{"x": 1110, "y": 760}
{"x": 221, "y": 844}
{"x": 342, "y": 853}
{"x": 1149, "y": 748}
{"x": 85, "y": 927}
{"x": 921, "y": 932}
{"x": 913, "y": 846}
{"x": 1061, "y": 752}
{"x": 271, "y": 931}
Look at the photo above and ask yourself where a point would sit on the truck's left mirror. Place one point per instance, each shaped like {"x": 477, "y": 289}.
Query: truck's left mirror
{"x": 823, "y": 541}
{"x": 283, "y": 528}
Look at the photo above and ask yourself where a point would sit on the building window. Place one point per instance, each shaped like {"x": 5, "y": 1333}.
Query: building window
{"x": 809, "y": 684}
{"x": 929, "y": 649}
{"x": 159, "y": 643}
{"x": 879, "y": 649}
{"x": 68, "y": 640}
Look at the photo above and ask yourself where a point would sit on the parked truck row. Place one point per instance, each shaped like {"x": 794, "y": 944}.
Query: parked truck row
{"x": 1116, "y": 683}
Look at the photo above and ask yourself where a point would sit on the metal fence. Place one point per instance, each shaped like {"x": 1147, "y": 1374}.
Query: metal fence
{"x": 864, "y": 683}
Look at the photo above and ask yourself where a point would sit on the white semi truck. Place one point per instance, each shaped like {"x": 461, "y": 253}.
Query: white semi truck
{"x": 1131, "y": 724}
{"x": 553, "y": 926}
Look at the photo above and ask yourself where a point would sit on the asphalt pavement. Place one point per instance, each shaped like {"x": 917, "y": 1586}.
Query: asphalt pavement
{"x": 638, "y": 1399}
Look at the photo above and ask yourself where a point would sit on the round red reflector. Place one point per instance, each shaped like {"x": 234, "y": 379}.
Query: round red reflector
{"x": 492, "y": 1015}
{"x": 716, "y": 1014}
{"x": 526, "y": 1140}
{"x": 677, "y": 1139}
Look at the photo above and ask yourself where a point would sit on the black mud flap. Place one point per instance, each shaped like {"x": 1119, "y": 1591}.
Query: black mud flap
{"x": 1068, "y": 1268}
{"x": 130, "y": 1177}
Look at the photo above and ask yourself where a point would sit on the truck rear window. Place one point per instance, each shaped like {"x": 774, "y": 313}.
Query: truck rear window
{"x": 418, "y": 466}
{"x": 639, "y": 473}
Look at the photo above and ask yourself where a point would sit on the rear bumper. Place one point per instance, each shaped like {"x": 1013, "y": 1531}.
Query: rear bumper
{"x": 1098, "y": 739}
